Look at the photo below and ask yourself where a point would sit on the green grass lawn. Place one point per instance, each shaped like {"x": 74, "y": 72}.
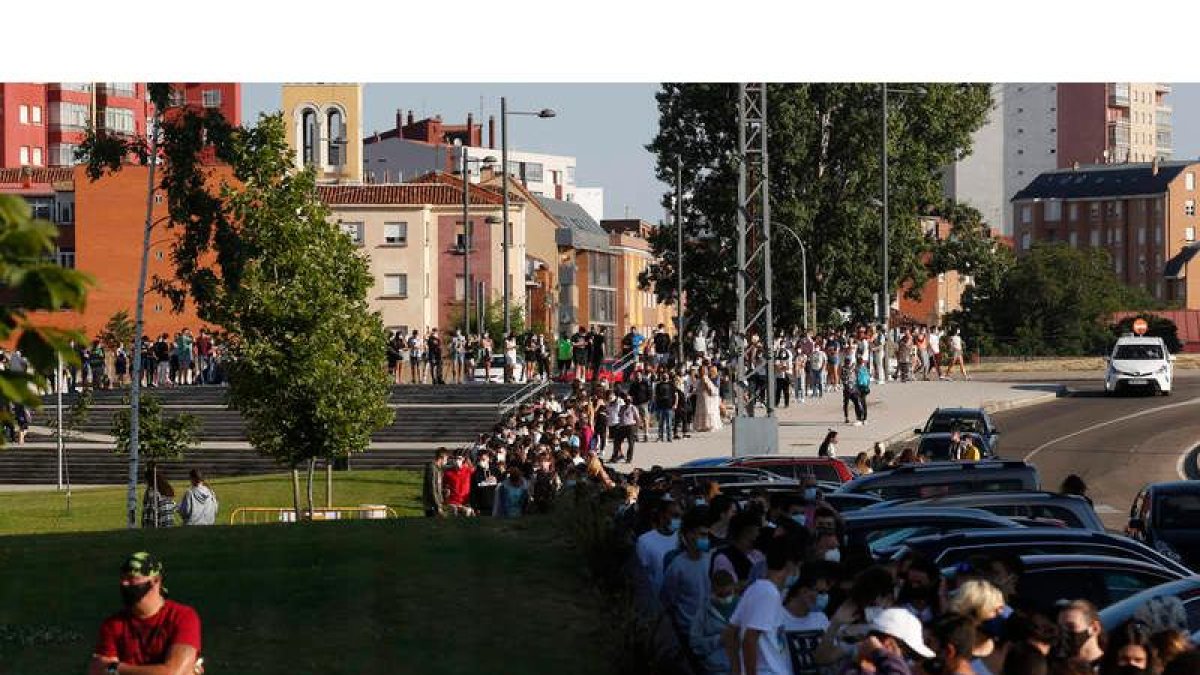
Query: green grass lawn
{"x": 104, "y": 508}
{"x": 408, "y": 595}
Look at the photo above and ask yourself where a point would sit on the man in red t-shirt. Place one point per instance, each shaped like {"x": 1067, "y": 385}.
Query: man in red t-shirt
{"x": 152, "y": 635}
{"x": 457, "y": 480}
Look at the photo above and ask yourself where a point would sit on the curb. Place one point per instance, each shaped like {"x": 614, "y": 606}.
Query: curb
{"x": 990, "y": 407}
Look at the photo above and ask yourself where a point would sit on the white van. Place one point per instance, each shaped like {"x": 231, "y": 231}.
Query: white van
{"x": 1140, "y": 364}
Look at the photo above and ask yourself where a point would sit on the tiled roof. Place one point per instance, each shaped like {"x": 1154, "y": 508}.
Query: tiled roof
{"x": 444, "y": 178}
{"x": 1114, "y": 180}
{"x": 18, "y": 175}
{"x": 405, "y": 193}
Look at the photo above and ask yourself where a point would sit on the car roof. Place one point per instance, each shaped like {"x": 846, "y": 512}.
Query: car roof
{"x": 1023, "y": 496}
{"x": 916, "y": 515}
{"x": 958, "y": 411}
{"x": 707, "y": 461}
{"x": 798, "y": 459}
{"x": 933, "y": 468}
{"x": 1117, "y": 613}
{"x": 1139, "y": 340}
{"x": 1024, "y": 533}
{"x": 1050, "y": 561}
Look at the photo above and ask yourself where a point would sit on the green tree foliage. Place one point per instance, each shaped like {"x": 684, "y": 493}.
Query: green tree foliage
{"x": 33, "y": 282}
{"x": 159, "y": 437}
{"x": 118, "y": 331}
{"x": 825, "y": 184}
{"x": 1054, "y": 300}
{"x": 1157, "y": 326}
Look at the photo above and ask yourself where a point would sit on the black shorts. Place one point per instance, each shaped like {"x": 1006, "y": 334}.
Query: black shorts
{"x": 580, "y": 358}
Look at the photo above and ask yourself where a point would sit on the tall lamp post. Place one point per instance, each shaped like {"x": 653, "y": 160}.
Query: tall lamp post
{"x": 504, "y": 113}
{"x": 803, "y": 267}
{"x": 679, "y": 256}
{"x": 885, "y": 310}
{"x": 465, "y": 170}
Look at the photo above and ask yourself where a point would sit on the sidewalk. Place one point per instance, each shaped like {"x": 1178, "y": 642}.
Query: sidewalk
{"x": 894, "y": 410}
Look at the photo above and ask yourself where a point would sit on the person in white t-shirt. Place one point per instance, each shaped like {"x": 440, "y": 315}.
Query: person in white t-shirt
{"x": 935, "y": 350}
{"x": 755, "y": 638}
{"x": 654, "y": 545}
{"x": 804, "y": 620}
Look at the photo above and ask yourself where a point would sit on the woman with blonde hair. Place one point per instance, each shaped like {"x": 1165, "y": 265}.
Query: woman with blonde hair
{"x": 979, "y": 601}
{"x": 862, "y": 464}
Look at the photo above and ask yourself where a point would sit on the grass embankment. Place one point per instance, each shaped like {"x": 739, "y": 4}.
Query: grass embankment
{"x": 410, "y": 595}
{"x": 104, "y": 508}
{"x": 1094, "y": 364}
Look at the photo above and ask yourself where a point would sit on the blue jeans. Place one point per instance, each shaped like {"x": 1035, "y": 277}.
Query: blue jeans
{"x": 666, "y": 423}
{"x": 818, "y": 382}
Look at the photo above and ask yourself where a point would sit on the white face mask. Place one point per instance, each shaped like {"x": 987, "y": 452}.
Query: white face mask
{"x": 833, "y": 555}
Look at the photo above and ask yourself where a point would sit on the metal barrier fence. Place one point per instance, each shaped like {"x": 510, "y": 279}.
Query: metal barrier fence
{"x": 260, "y": 515}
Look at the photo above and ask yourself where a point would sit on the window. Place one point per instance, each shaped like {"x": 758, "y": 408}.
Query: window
{"x": 354, "y": 229}
{"x": 1073, "y": 239}
{"x": 211, "y": 98}
{"x": 336, "y": 129}
{"x": 1074, "y": 211}
{"x": 460, "y": 242}
{"x": 1189, "y": 234}
{"x": 1158, "y": 207}
{"x": 37, "y": 157}
{"x": 119, "y": 88}
{"x": 533, "y": 172}
{"x": 66, "y": 213}
{"x": 1052, "y": 211}
{"x": 24, "y": 155}
{"x": 602, "y": 304}
{"x": 66, "y": 258}
{"x": 119, "y": 120}
{"x": 601, "y": 269}
{"x": 70, "y": 115}
{"x": 395, "y": 285}
{"x": 1026, "y": 214}
{"x": 1094, "y": 211}
{"x": 42, "y": 208}
{"x": 23, "y": 114}
{"x": 1025, "y": 241}
{"x": 1141, "y": 235}
{"x": 571, "y": 175}
{"x": 1119, "y": 231}
{"x": 1189, "y": 180}
{"x": 395, "y": 234}
{"x": 62, "y": 154}
{"x": 1189, "y": 207}
{"x": 1117, "y": 264}
{"x": 36, "y": 117}
{"x": 1158, "y": 235}
{"x": 308, "y": 127}
{"x": 1094, "y": 237}
{"x": 1158, "y": 289}
{"x": 1157, "y": 261}
{"x": 85, "y": 87}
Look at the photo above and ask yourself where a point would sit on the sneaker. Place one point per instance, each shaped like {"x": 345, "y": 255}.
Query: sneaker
{"x": 847, "y": 420}
{"x": 858, "y": 423}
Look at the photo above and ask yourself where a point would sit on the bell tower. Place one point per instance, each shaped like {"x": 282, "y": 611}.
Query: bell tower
{"x": 324, "y": 129}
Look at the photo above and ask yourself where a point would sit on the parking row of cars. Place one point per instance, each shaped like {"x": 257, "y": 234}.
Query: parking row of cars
{"x": 950, "y": 511}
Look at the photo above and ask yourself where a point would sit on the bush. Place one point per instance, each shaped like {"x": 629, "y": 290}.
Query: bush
{"x": 1159, "y": 326}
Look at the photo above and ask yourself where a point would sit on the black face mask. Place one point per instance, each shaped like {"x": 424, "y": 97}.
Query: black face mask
{"x": 1130, "y": 670}
{"x": 913, "y": 594}
{"x": 935, "y": 666}
{"x": 1071, "y": 642}
{"x": 130, "y": 595}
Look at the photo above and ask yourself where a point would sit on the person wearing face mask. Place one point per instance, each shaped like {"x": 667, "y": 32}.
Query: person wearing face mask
{"x": 1081, "y": 632}
{"x": 654, "y": 545}
{"x": 512, "y": 496}
{"x": 150, "y": 630}
{"x": 710, "y": 622}
{"x": 804, "y": 619}
{"x": 919, "y": 592}
{"x": 685, "y": 571}
{"x": 740, "y": 557}
{"x": 894, "y": 640}
{"x": 871, "y": 593}
{"x": 953, "y": 640}
{"x": 457, "y": 479}
{"x": 1130, "y": 651}
{"x": 755, "y": 640}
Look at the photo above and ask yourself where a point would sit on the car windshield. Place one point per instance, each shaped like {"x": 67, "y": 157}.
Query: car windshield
{"x": 1138, "y": 353}
{"x": 941, "y": 424}
{"x": 1179, "y": 512}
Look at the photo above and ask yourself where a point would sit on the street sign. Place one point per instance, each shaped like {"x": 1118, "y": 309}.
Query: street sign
{"x": 1140, "y": 327}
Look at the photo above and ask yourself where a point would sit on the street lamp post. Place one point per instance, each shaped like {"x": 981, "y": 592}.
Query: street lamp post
{"x": 504, "y": 113}
{"x": 803, "y": 268}
{"x": 465, "y": 168}
{"x": 679, "y": 256}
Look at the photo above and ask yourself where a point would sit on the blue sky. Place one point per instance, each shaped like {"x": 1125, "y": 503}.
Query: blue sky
{"x": 606, "y": 126}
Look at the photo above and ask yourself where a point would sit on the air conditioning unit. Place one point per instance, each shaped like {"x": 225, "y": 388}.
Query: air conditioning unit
{"x": 1189, "y": 234}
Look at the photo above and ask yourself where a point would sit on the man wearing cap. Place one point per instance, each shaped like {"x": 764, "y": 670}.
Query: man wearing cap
{"x": 895, "y": 636}
{"x": 151, "y": 635}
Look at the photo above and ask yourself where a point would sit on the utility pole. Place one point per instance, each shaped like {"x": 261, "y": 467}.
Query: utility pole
{"x": 885, "y": 310}
{"x": 504, "y": 188}
{"x": 679, "y": 256}
{"x": 466, "y": 176}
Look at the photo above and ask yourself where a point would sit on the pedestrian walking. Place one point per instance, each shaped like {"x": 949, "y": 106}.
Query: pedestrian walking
{"x": 956, "y": 354}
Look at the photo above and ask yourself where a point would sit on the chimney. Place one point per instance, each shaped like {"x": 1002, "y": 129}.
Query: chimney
{"x": 491, "y": 132}
{"x": 1075, "y": 166}
{"x": 470, "y": 140}
{"x": 1154, "y": 166}
{"x": 410, "y": 117}
{"x": 399, "y": 122}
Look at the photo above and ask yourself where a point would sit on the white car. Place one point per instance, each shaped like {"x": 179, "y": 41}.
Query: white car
{"x": 1140, "y": 364}
{"x": 497, "y": 374}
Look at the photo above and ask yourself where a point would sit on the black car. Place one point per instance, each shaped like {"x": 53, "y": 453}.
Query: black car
{"x": 1187, "y": 590}
{"x": 950, "y": 549}
{"x": 1166, "y": 516}
{"x": 883, "y": 531}
{"x": 941, "y": 479}
{"x": 1101, "y": 580}
{"x": 1046, "y": 508}
{"x": 846, "y": 502}
{"x": 693, "y": 477}
{"x": 935, "y": 446}
{"x": 946, "y": 420}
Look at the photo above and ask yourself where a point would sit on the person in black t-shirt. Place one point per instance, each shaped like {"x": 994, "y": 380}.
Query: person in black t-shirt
{"x": 580, "y": 347}
{"x": 434, "y": 351}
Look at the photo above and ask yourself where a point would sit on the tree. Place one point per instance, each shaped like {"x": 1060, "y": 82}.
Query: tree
{"x": 32, "y": 282}
{"x": 1055, "y": 300}
{"x": 825, "y": 184}
{"x": 1157, "y": 326}
{"x": 161, "y": 437}
{"x": 118, "y": 331}
{"x": 258, "y": 255}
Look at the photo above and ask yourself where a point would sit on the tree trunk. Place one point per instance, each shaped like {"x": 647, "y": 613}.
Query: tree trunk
{"x": 139, "y": 325}
{"x": 312, "y": 465}
{"x": 329, "y": 484}
{"x": 296, "y": 492}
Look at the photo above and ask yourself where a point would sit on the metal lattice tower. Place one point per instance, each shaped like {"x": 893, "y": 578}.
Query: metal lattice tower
{"x": 754, "y": 312}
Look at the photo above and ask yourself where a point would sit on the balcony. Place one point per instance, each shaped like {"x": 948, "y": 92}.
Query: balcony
{"x": 1162, "y": 88}
{"x": 1118, "y": 95}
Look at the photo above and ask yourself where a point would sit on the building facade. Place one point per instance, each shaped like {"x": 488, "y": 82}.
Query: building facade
{"x": 941, "y": 293}
{"x": 323, "y": 124}
{"x": 43, "y": 124}
{"x": 1037, "y": 127}
{"x": 629, "y": 241}
{"x": 1143, "y": 214}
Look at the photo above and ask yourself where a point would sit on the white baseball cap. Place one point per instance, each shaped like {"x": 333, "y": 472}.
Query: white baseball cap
{"x": 905, "y": 627}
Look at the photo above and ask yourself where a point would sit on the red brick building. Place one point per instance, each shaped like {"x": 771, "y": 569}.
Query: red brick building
{"x": 941, "y": 293}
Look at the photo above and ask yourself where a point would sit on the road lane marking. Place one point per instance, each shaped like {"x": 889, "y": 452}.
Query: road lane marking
{"x": 1100, "y": 425}
{"x": 1104, "y": 508}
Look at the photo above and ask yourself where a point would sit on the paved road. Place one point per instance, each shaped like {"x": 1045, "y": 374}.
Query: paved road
{"x": 1117, "y": 444}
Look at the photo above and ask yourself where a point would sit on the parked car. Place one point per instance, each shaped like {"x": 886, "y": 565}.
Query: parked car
{"x": 1048, "y": 580}
{"x": 1044, "y": 507}
{"x": 846, "y": 502}
{"x": 976, "y": 420}
{"x": 935, "y": 446}
{"x": 1187, "y": 590}
{"x": 1139, "y": 363}
{"x": 498, "y": 370}
{"x": 941, "y": 479}
{"x": 883, "y": 531}
{"x": 950, "y": 549}
{"x": 1166, "y": 517}
{"x": 799, "y": 468}
{"x": 693, "y": 477}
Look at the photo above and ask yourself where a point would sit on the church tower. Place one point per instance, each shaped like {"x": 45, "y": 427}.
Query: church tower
{"x": 324, "y": 129}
